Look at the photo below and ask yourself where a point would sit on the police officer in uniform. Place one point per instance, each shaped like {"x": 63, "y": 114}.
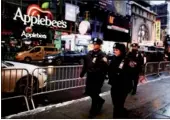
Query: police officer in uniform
{"x": 95, "y": 65}
{"x": 119, "y": 80}
{"x": 136, "y": 62}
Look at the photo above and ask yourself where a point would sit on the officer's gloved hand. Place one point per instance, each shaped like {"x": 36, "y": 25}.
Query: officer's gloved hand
{"x": 132, "y": 64}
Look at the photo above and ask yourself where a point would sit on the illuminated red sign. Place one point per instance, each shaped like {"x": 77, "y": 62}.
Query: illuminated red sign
{"x": 35, "y": 10}
{"x": 33, "y": 17}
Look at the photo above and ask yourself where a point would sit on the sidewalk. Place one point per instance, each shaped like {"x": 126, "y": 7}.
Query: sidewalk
{"x": 152, "y": 101}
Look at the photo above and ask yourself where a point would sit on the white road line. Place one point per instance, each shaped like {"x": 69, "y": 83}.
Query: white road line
{"x": 40, "y": 109}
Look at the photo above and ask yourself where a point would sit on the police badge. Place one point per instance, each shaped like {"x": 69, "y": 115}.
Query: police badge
{"x": 94, "y": 60}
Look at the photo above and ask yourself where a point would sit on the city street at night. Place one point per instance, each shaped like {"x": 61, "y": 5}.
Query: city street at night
{"x": 84, "y": 59}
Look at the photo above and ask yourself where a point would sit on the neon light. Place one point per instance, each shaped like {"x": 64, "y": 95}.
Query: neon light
{"x": 32, "y": 20}
{"x": 33, "y": 35}
{"x": 32, "y": 9}
{"x": 113, "y": 27}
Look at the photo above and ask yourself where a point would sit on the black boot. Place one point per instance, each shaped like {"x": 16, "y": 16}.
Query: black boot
{"x": 125, "y": 113}
{"x": 120, "y": 113}
{"x": 93, "y": 110}
{"x": 100, "y": 105}
{"x": 92, "y": 113}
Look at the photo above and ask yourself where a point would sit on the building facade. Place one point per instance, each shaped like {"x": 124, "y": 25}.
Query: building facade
{"x": 27, "y": 20}
{"x": 163, "y": 14}
{"x": 143, "y": 25}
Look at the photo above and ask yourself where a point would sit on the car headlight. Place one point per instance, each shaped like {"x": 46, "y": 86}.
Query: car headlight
{"x": 19, "y": 54}
{"x": 51, "y": 57}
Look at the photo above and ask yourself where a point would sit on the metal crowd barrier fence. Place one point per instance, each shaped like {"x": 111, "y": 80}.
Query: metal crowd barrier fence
{"x": 151, "y": 68}
{"x": 15, "y": 84}
{"x": 57, "y": 78}
{"x": 50, "y": 79}
{"x": 164, "y": 68}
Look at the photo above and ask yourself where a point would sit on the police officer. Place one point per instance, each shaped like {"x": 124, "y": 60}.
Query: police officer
{"x": 118, "y": 79}
{"x": 136, "y": 62}
{"x": 95, "y": 65}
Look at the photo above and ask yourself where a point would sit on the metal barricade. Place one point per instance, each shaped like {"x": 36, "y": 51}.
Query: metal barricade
{"x": 151, "y": 68}
{"x": 15, "y": 84}
{"x": 56, "y": 78}
{"x": 164, "y": 68}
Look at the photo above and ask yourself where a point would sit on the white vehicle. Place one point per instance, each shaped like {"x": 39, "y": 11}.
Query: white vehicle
{"x": 16, "y": 77}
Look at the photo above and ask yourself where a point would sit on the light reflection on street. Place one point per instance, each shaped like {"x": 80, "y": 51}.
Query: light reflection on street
{"x": 156, "y": 104}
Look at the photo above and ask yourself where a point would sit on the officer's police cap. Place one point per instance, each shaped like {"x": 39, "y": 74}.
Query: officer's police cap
{"x": 134, "y": 45}
{"x": 120, "y": 46}
{"x": 97, "y": 41}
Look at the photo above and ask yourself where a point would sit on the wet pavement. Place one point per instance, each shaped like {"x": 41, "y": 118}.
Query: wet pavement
{"x": 14, "y": 106}
{"x": 151, "y": 101}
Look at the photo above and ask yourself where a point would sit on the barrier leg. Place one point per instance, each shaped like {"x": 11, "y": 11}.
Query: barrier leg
{"x": 145, "y": 72}
{"x": 159, "y": 68}
{"x": 26, "y": 101}
{"x": 32, "y": 102}
{"x": 25, "y": 98}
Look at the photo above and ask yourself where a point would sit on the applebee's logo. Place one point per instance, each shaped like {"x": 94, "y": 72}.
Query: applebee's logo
{"x": 35, "y": 10}
{"x": 33, "y": 17}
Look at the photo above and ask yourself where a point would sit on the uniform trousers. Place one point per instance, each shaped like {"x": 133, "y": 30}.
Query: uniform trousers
{"x": 94, "y": 84}
{"x": 135, "y": 80}
{"x": 118, "y": 98}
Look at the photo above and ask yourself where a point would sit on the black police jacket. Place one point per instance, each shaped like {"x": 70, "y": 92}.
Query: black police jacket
{"x": 95, "y": 62}
{"x": 118, "y": 73}
{"x": 136, "y": 57}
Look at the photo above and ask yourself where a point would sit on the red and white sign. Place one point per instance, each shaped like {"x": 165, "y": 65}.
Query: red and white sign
{"x": 28, "y": 29}
{"x": 35, "y": 10}
{"x": 33, "y": 17}
{"x": 33, "y": 35}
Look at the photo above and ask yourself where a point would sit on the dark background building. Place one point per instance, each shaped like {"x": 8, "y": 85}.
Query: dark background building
{"x": 164, "y": 17}
{"x": 143, "y": 3}
{"x": 162, "y": 11}
{"x": 97, "y": 16}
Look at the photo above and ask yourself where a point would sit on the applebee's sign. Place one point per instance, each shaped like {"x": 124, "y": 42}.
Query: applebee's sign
{"x": 33, "y": 35}
{"x": 33, "y": 17}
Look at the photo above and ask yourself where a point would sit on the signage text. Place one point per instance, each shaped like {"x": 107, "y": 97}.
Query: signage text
{"x": 33, "y": 20}
{"x": 158, "y": 30}
{"x": 33, "y": 35}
